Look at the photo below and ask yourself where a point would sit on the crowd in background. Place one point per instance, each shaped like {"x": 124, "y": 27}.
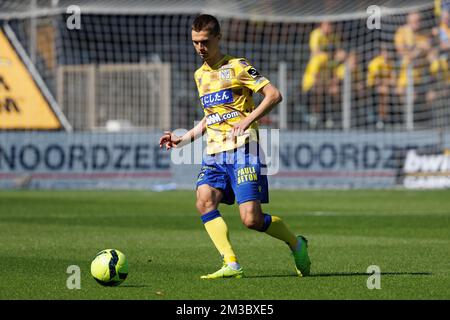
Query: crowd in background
{"x": 320, "y": 59}
{"x": 414, "y": 63}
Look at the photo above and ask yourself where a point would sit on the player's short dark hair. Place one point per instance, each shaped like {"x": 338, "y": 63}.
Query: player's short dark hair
{"x": 206, "y": 22}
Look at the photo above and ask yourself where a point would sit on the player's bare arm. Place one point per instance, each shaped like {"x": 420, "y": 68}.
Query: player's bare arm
{"x": 272, "y": 97}
{"x": 171, "y": 140}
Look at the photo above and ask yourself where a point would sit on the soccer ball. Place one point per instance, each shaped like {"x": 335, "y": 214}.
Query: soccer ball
{"x": 109, "y": 267}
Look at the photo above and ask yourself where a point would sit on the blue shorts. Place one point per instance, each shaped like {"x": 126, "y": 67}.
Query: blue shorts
{"x": 237, "y": 173}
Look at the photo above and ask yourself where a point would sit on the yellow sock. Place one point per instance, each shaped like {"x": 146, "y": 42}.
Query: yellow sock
{"x": 276, "y": 228}
{"x": 218, "y": 232}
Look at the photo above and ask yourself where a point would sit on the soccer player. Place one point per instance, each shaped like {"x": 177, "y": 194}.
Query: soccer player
{"x": 231, "y": 168}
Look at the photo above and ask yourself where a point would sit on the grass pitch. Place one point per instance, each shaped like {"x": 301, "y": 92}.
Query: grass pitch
{"x": 405, "y": 233}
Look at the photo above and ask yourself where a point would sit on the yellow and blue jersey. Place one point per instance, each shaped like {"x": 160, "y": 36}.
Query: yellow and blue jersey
{"x": 407, "y": 39}
{"x": 379, "y": 70}
{"x": 439, "y": 69}
{"x": 316, "y": 67}
{"x": 320, "y": 42}
{"x": 319, "y": 62}
{"x": 441, "y": 5}
{"x": 226, "y": 91}
{"x": 444, "y": 33}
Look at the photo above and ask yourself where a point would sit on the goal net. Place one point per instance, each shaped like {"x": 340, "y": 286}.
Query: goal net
{"x": 365, "y": 87}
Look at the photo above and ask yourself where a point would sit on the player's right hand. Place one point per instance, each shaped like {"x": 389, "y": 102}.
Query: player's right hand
{"x": 169, "y": 139}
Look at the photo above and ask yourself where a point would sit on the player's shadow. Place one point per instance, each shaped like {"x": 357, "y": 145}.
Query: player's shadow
{"x": 343, "y": 274}
{"x": 355, "y": 274}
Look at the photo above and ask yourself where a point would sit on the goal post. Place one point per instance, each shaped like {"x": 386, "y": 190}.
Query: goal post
{"x": 93, "y": 94}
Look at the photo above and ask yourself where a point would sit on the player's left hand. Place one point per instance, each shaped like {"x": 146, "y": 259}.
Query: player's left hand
{"x": 169, "y": 140}
{"x": 240, "y": 127}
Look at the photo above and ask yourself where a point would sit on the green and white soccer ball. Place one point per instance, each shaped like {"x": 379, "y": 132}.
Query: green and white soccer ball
{"x": 109, "y": 267}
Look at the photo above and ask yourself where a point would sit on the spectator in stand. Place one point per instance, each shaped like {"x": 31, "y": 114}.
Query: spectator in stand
{"x": 441, "y": 34}
{"x": 343, "y": 61}
{"x": 438, "y": 83}
{"x": 439, "y": 72}
{"x": 318, "y": 73}
{"x": 380, "y": 83}
{"x": 413, "y": 43}
{"x": 440, "y": 6}
{"x": 412, "y": 47}
{"x": 444, "y": 31}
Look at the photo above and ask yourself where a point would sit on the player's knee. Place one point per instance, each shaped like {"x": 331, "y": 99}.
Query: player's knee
{"x": 253, "y": 222}
{"x": 252, "y": 216}
{"x": 205, "y": 205}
